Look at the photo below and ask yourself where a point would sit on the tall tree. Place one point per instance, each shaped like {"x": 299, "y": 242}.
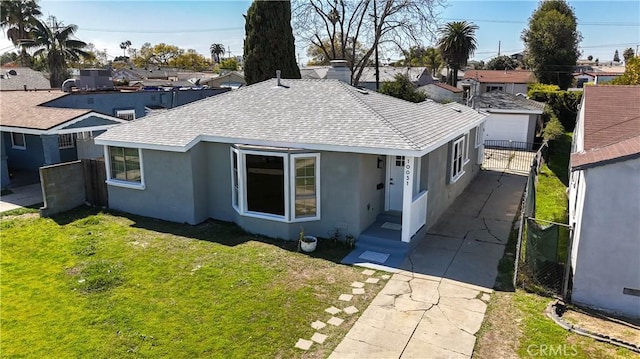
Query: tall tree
{"x": 216, "y": 51}
{"x": 124, "y": 46}
{"x": 457, "y": 43}
{"x": 319, "y": 57}
{"x": 269, "y": 43}
{"x": 616, "y": 56}
{"x": 503, "y": 62}
{"x": 345, "y": 22}
{"x": 627, "y": 54}
{"x": 551, "y": 42}
{"x": 56, "y": 43}
{"x": 18, "y": 17}
{"x": 433, "y": 60}
{"x": 631, "y": 73}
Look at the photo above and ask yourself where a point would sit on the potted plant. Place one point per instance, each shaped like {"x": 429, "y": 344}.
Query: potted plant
{"x": 307, "y": 243}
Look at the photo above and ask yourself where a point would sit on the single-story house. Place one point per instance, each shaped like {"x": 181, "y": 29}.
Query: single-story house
{"x": 596, "y": 77}
{"x": 477, "y": 82}
{"x": 151, "y": 72}
{"x": 232, "y": 80}
{"x": 284, "y": 154}
{"x": 22, "y": 78}
{"x": 33, "y": 134}
{"x": 512, "y": 118}
{"x": 442, "y": 92}
{"x": 604, "y": 200}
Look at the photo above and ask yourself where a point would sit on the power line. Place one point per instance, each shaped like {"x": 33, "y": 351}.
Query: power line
{"x": 586, "y": 23}
{"x": 173, "y": 31}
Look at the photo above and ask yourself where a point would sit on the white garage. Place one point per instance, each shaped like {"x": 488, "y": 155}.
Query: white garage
{"x": 511, "y": 118}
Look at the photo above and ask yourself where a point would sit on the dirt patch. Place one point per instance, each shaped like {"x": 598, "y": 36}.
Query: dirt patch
{"x": 499, "y": 335}
{"x": 628, "y": 332}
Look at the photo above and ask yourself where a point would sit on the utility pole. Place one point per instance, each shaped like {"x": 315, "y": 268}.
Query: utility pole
{"x": 375, "y": 25}
{"x": 498, "y": 47}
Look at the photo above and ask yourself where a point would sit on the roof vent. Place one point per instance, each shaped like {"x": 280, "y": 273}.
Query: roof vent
{"x": 456, "y": 109}
{"x": 13, "y": 73}
{"x": 362, "y": 90}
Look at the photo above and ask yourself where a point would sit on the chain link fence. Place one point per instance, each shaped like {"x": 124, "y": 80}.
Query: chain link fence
{"x": 542, "y": 247}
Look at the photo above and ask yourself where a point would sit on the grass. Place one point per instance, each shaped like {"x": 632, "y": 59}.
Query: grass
{"x": 105, "y": 285}
{"x": 35, "y": 208}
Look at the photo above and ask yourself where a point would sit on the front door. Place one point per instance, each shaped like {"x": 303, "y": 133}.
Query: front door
{"x": 395, "y": 182}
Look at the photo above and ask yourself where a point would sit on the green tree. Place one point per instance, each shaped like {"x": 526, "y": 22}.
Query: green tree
{"x": 163, "y": 53}
{"x": 415, "y": 56}
{"x": 269, "y": 43}
{"x": 216, "y": 50}
{"x": 551, "y": 42}
{"x": 190, "y": 60}
{"x": 18, "y": 17}
{"x": 8, "y": 57}
{"x": 627, "y": 54}
{"x": 616, "y": 56}
{"x": 230, "y": 64}
{"x": 57, "y": 44}
{"x": 503, "y": 62}
{"x": 402, "y": 87}
{"x": 631, "y": 73}
{"x": 457, "y": 43}
{"x": 433, "y": 60}
{"x": 124, "y": 46}
{"x": 321, "y": 58}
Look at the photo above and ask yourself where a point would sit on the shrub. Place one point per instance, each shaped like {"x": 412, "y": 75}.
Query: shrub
{"x": 563, "y": 104}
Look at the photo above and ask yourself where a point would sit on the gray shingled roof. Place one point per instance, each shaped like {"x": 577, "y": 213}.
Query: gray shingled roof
{"x": 499, "y": 100}
{"x": 313, "y": 113}
{"x": 34, "y": 80}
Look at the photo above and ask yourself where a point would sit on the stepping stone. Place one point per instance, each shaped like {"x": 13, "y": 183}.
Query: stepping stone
{"x": 385, "y": 277}
{"x": 335, "y": 321}
{"x": 486, "y": 297}
{"x": 368, "y": 272}
{"x": 319, "y": 338}
{"x": 317, "y": 325}
{"x": 372, "y": 280}
{"x": 358, "y": 290}
{"x": 350, "y": 310}
{"x": 304, "y": 344}
{"x": 357, "y": 285}
{"x": 332, "y": 310}
{"x": 345, "y": 297}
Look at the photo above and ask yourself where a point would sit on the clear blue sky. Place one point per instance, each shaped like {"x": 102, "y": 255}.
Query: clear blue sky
{"x": 605, "y": 25}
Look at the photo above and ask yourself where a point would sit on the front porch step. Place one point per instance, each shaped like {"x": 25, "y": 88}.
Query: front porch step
{"x": 390, "y": 216}
{"x": 381, "y": 244}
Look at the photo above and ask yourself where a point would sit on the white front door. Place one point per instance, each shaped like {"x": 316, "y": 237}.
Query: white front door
{"x": 396, "y": 171}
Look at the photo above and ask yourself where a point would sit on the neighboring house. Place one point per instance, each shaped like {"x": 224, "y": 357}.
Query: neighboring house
{"x": 477, "y": 82}
{"x": 33, "y": 134}
{"x": 314, "y": 72}
{"x": 419, "y": 76}
{"x": 232, "y": 80}
{"x": 22, "y": 78}
{"x": 597, "y": 78}
{"x": 147, "y": 73}
{"x": 442, "y": 92}
{"x": 511, "y": 118}
{"x": 284, "y": 154}
{"x": 604, "y": 200}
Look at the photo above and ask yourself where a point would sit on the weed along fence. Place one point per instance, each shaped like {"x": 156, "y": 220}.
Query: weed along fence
{"x": 543, "y": 246}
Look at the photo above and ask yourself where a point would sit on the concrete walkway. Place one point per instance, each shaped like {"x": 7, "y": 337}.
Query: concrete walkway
{"x": 21, "y": 197}
{"x": 434, "y": 305}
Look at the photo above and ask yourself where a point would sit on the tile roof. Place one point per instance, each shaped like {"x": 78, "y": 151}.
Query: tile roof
{"x": 500, "y": 76}
{"x": 499, "y": 100}
{"x": 310, "y": 112}
{"x": 24, "y": 110}
{"x": 34, "y": 80}
{"x": 611, "y": 124}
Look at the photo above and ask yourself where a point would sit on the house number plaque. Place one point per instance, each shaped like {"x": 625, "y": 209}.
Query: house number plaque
{"x": 407, "y": 172}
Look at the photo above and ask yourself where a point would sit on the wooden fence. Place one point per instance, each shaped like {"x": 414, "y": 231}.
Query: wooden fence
{"x": 95, "y": 175}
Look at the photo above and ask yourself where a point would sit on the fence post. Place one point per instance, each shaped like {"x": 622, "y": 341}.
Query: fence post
{"x": 567, "y": 269}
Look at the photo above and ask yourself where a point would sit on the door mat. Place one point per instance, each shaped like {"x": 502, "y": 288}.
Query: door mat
{"x": 374, "y": 256}
{"x": 391, "y": 225}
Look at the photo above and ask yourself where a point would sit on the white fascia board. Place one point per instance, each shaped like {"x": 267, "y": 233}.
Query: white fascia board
{"x": 144, "y": 146}
{"x": 84, "y": 117}
{"x": 452, "y": 136}
{"x": 59, "y": 129}
{"x": 26, "y": 131}
{"x": 521, "y": 112}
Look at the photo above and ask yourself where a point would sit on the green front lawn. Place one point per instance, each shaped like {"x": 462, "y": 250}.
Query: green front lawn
{"x": 100, "y": 285}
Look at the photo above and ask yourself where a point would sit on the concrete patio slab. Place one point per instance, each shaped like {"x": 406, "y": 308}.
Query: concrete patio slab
{"x": 23, "y": 196}
{"x": 431, "y": 306}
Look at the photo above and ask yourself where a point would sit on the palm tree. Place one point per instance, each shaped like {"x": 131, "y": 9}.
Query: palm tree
{"x": 18, "y": 17}
{"x": 124, "y": 46}
{"x": 216, "y": 51}
{"x": 432, "y": 60}
{"x": 457, "y": 44}
{"x": 57, "y": 45}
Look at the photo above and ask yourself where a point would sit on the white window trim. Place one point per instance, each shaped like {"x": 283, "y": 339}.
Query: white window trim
{"x": 293, "y": 158}
{"x": 456, "y": 177}
{"x": 18, "y": 147}
{"x": 466, "y": 159}
{"x": 289, "y": 189}
{"x": 120, "y": 183}
{"x": 126, "y": 112}
{"x": 479, "y": 135}
{"x": 65, "y": 144}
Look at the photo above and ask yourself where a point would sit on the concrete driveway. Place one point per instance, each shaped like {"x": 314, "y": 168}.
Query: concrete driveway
{"x": 434, "y": 305}
{"x": 22, "y": 196}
